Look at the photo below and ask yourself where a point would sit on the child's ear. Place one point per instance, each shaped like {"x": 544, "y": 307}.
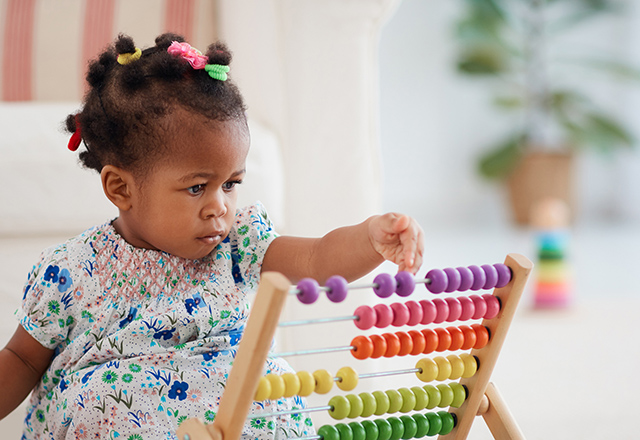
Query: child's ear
{"x": 117, "y": 184}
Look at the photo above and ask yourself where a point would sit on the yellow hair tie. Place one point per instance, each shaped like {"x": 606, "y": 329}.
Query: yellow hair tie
{"x": 126, "y": 58}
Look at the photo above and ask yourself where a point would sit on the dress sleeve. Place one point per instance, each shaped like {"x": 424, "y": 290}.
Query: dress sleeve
{"x": 46, "y": 312}
{"x": 250, "y": 238}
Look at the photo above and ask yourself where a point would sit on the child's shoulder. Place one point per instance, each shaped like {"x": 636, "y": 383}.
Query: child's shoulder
{"x": 74, "y": 247}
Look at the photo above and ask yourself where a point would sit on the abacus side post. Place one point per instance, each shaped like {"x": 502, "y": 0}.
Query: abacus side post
{"x": 498, "y": 417}
{"x": 248, "y": 364}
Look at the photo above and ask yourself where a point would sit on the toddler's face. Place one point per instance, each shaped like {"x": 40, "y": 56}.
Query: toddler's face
{"x": 186, "y": 204}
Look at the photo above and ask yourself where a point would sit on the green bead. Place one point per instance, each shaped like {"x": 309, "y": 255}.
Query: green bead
{"x": 384, "y": 429}
{"x": 340, "y": 407}
{"x": 382, "y": 402}
{"x": 369, "y": 404}
{"x": 459, "y": 394}
{"x": 434, "y": 396}
{"x": 371, "y": 430}
{"x": 408, "y": 400}
{"x": 448, "y": 422}
{"x": 446, "y": 395}
{"x": 410, "y": 427}
{"x": 357, "y": 406}
{"x": 395, "y": 401}
{"x": 423, "y": 425}
{"x": 358, "y": 431}
{"x": 435, "y": 423}
{"x": 345, "y": 431}
{"x": 422, "y": 398}
{"x": 397, "y": 428}
{"x": 329, "y": 432}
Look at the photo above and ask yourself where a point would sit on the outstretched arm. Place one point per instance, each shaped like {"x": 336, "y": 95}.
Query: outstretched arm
{"x": 22, "y": 363}
{"x": 351, "y": 251}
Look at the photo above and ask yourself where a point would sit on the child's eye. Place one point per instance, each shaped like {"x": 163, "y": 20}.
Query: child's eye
{"x": 196, "y": 189}
{"x": 228, "y": 186}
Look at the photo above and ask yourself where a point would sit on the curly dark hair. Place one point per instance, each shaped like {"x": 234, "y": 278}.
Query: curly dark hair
{"x": 120, "y": 117}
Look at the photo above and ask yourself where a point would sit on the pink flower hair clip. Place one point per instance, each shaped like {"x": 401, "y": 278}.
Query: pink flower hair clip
{"x": 197, "y": 60}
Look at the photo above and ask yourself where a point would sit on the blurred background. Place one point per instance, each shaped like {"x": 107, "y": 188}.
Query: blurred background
{"x": 449, "y": 111}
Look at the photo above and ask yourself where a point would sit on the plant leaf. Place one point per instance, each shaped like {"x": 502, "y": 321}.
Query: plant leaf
{"x": 500, "y": 162}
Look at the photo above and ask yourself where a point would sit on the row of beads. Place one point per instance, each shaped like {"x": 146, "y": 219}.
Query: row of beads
{"x": 403, "y": 400}
{"x": 482, "y": 277}
{"x": 451, "y": 367}
{"x": 274, "y": 386}
{"x": 393, "y": 428}
{"x": 416, "y": 342}
{"x": 424, "y": 312}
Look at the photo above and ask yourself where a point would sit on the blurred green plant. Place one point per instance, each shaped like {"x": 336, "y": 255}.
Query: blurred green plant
{"x": 509, "y": 41}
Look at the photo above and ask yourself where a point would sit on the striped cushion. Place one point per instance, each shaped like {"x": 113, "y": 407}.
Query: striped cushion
{"x": 46, "y": 44}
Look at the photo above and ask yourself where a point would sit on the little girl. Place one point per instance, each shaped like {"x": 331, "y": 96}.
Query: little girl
{"x": 131, "y": 327}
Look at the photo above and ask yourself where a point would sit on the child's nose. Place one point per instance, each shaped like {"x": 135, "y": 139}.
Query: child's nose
{"x": 215, "y": 206}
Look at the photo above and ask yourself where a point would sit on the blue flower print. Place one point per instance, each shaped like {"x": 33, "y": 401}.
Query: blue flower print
{"x": 133, "y": 311}
{"x": 51, "y": 274}
{"x": 87, "y": 376}
{"x": 64, "y": 280}
{"x": 178, "y": 390}
{"x": 210, "y": 355}
{"x": 164, "y": 334}
{"x": 234, "y": 338}
{"x": 193, "y": 302}
{"x": 63, "y": 385}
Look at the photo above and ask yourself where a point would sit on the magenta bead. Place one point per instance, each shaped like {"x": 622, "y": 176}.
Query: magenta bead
{"x": 481, "y": 306}
{"x": 453, "y": 279}
{"x": 493, "y": 306}
{"x": 479, "y": 277}
{"x": 384, "y": 315}
{"x": 429, "y": 311}
{"x": 437, "y": 281}
{"x": 468, "y": 308}
{"x": 492, "y": 276}
{"x": 337, "y": 288}
{"x": 466, "y": 278}
{"x": 442, "y": 310}
{"x": 504, "y": 274}
{"x": 386, "y": 285}
{"x": 366, "y": 317}
{"x": 455, "y": 309}
{"x": 415, "y": 312}
{"x": 400, "y": 314}
{"x": 405, "y": 283}
{"x": 309, "y": 290}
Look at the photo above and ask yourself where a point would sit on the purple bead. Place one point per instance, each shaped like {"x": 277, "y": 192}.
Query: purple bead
{"x": 479, "y": 277}
{"x": 492, "y": 276}
{"x": 386, "y": 285}
{"x": 466, "y": 278}
{"x": 337, "y": 288}
{"x": 437, "y": 281}
{"x": 429, "y": 311}
{"x": 308, "y": 290}
{"x": 504, "y": 274}
{"x": 453, "y": 279}
{"x": 406, "y": 283}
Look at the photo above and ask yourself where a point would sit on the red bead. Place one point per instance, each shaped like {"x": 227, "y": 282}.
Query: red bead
{"x": 442, "y": 310}
{"x": 429, "y": 311}
{"x": 406, "y": 343}
{"x": 366, "y": 317}
{"x": 419, "y": 342}
{"x": 444, "y": 339}
{"x": 384, "y": 315}
{"x": 431, "y": 340}
{"x": 363, "y": 347}
{"x": 400, "y": 314}
{"x": 393, "y": 344}
{"x": 482, "y": 335}
{"x": 379, "y": 346}
{"x": 468, "y": 308}
{"x": 415, "y": 312}
{"x": 480, "y": 305}
{"x": 493, "y": 306}
{"x": 455, "y": 309}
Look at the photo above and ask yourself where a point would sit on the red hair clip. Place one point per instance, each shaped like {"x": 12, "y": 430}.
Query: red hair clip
{"x": 76, "y": 137}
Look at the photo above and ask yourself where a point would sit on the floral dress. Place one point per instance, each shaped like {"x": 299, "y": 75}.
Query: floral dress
{"x": 144, "y": 340}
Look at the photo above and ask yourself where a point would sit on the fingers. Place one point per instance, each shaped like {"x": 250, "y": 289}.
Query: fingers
{"x": 402, "y": 240}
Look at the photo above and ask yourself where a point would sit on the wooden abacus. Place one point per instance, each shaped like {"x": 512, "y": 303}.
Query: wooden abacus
{"x": 472, "y": 395}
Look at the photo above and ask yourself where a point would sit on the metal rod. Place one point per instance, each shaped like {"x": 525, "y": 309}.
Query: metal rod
{"x": 313, "y": 351}
{"x": 317, "y": 321}
{"x": 389, "y": 373}
{"x": 291, "y": 411}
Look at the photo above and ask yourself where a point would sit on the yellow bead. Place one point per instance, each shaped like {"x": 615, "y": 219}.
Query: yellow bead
{"x": 457, "y": 366}
{"x": 277, "y": 386}
{"x": 291, "y": 384}
{"x": 324, "y": 381}
{"x": 444, "y": 368}
{"x": 263, "y": 391}
{"x": 349, "y": 378}
{"x": 307, "y": 383}
{"x": 428, "y": 370}
{"x": 470, "y": 365}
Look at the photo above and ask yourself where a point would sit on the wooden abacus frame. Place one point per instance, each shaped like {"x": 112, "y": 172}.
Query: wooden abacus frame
{"x": 483, "y": 398}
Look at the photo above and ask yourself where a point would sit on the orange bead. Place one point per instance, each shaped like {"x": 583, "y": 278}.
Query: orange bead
{"x": 362, "y": 347}
{"x": 444, "y": 339}
{"x": 457, "y": 338}
{"x": 419, "y": 342}
{"x": 431, "y": 340}
{"x": 379, "y": 346}
{"x": 469, "y": 337}
{"x": 406, "y": 343}
{"x": 393, "y": 344}
{"x": 482, "y": 335}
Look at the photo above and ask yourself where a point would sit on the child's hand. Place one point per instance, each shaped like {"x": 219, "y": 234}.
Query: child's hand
{"x": 399, "y": 239}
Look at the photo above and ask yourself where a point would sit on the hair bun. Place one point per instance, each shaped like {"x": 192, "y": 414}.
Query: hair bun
{"x": 218, "y": 53}
{"x": 124, "y": 44}
{"x": 164, "y": 41}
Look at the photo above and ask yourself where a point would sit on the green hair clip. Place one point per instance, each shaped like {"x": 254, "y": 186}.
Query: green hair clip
{"x": 217, "y": 71}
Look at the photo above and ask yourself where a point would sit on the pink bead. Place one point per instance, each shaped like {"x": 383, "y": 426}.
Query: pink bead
{"x": 386, "y": 285}
{"x": 415, "y": 312}
{"x": 466, "y": 278}
{"x": 338, "y": 288}
{"x": 437, "y": 281}
{"x": 504, "y": 274}
{"x": 455, "y": 309}
{"x": 493, "y": 306}
{"x": 468, "y": 308}
{"x": 481, "y": 306}
{"x": 384, "y": 315}
{"x": 400, "y": 314}
{"x": 405, "y": 283}
{"x": 453, "y": 279}
{"x": 366, "y": 317}
{"x": 492, "y": 276}
{"x": 479, "y": 277}
{"x": 429, "y": 311}
{"x": 442, "y": 310}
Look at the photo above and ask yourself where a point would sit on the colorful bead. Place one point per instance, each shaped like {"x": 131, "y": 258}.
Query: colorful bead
{"x": 382, "y": 402}
{"x": 329, "y": 432}
{"x": 291, "y": 384}
{"x": 385, "y": 285}
{"x": 434, "y": 396}
{"x": 444, "y": 368}
{"x": 457, "y": 367}
{"x": 358, "y": 431}
{"x": 405, "y": 283}
{"x": 428, "y": 370}
{"x": 277, "y": 386}
{"x": 468, "y": 308}
{"x": 366, "y": 317}
{"x": 324, "y": 381}
{"x": 457, "y": 338}
{"x": 479, "y": 277}
{"x": 493, "y": 306}
{"x": 480, "y": 306}
{"x": 431, "y": 340}
{"x": 442, "y": 310}
{"x": 422, "y": 398}
{"x": 397, "y": 428}
{"x": 470, "y": 365}
{"x": 307, "y": 383}
{"x": 263, "y": 391}
{"x": 393, "y": 344}
{"x": 379, "y": 346}
{"x": 345, "y": 431}
{"x": 371, "y": 430}
{"x": 446, "y": 395}
{"x": 384, "y": 429}
{"x": 384, "y": 315}
{"x": 415, "y": 313}
{"x": 504, "y": 274}
{"x": 348, "y": 378}
{"x": 423, "y": 425}
{"x": 466, "y": 278}
{"x": 437, "y": 281}
{"x": 338, "y": 288}
{"x": 400, "y": 314}
{"x": 419, "y": 342}
{"x": 309, "y": 290}
{"x": 406, "y": 343}
{"x": 429, "y": 311}
{"x": 470, "y": 337}
{"x": 435, "y": 424}
{"x": 369, "y": 404}
{"x": 448, "y": 422}
{"x": 362, "y": 347}
{"x": 408, "y": 400}
{"x": 455, "y": 309}
{"x": 357, "y": 406}
{"x": 410, "y": 427}
{"x": 459, "y": 394}
{"x": 482, "y": 336}
{"x": 444, "y": 339}
{"x": 453, "y": 279}
{"x": 340, "y": 407}
{"x": 492, "y": 276}
{"x": 395, "y": 401}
